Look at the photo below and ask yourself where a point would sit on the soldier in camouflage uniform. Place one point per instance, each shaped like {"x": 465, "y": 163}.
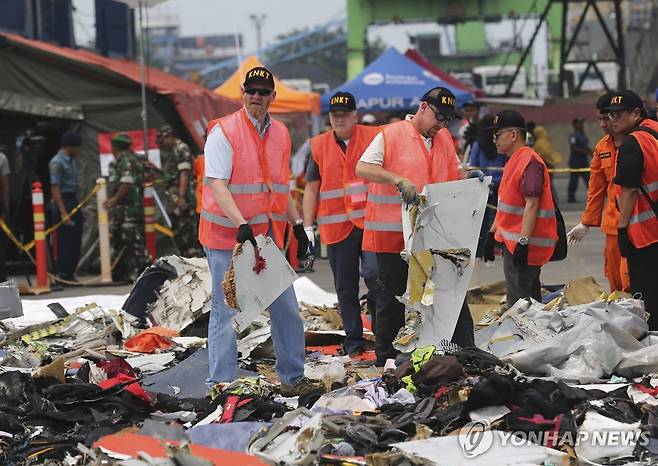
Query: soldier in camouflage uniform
{"x": 126, "y": 207}
{"x": 180, "y": 200}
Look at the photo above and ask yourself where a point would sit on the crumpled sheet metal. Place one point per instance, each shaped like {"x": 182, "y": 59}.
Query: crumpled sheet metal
{"x": 440, "y": 451}
{"x": 294, "y": 439}
{"x": 450, "y": 222}
{"x": 10, "y": 301}
{"x": 582, "y": 343}
{"x": 595, "y": 424}
{"x": 185, "y": 298}
{"x": 255, "y": 291}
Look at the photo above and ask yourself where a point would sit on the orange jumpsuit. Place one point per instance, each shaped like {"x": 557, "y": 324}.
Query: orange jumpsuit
{"x": 599, "y": 212}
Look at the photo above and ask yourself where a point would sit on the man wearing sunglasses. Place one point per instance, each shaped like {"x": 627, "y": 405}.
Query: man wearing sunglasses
{"x": 339, "y": 197}
{"x": 598, "y": 211}
{"x": 637, "y": 196}
{"x": 525, "y": 220}
{"x": 402, "y": 159}
{"x": 245, "y": 194}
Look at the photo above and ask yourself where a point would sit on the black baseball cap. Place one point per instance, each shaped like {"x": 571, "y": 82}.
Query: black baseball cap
{"x": 342, "y": 101}
{"x": 603, "y": 102}
{"x": 508, "y": 119}
{"x": 471, "y": 104}
{"x": 443, "y": 100}
{"x": 259, "y": 75}
{"x": 71, "y": 139}
{"x": 624, "y": 100}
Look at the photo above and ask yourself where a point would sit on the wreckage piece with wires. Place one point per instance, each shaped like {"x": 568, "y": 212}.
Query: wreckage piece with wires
{"x": 440, "y": 236}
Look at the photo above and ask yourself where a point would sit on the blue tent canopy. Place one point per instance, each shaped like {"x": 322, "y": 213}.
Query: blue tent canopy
{"x": 392, "y": 83}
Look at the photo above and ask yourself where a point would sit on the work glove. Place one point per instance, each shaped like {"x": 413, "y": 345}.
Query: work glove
{"x": 310, "y": 234}
{"x": 408, "y": 191}
{"x": 302, "y": 240}
{"x": 245, "y": 233}
{"x": 476, "y": 174}
{"x": 625, "y": 246}
{"x": 488, "y": 248}
{"x": 520, "y": 258}
{"x": 577, "y": 233}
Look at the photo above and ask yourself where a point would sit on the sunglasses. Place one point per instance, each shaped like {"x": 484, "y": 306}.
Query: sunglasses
{"x": 440, "y": 117}
{"x": 260, "y": 92}
{"x": 497, "y": 134}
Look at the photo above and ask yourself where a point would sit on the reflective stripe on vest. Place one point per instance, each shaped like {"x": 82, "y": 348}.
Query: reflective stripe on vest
{"x": 333, "y": 194}
{"x": 257, "y": 188}
{"x": 651, "y": 187}
{"x": 384, "y": 199}
{"x": 534, "y": 240}
{"x": 226, "y": 222}
{"x": 642, "y": 216}
{"x": 383, "y": 226}
{"x": 510, "y": 209}
{"x": 338, "y": 218}
{"x": 357, "y": 188}
{"x": 643, "y": 226}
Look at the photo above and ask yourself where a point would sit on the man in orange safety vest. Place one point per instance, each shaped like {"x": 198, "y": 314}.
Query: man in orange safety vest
{"x": 338, "y": 196}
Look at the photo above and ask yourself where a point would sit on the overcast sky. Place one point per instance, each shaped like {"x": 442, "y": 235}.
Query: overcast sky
{"x": 207, "y": 17}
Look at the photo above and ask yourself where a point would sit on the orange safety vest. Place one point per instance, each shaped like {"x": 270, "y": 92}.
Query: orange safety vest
{"x": 598, "y": 211}
{"x": 405, "y": 154}
{"x": 643, "y": 225}
{"x": 259, "y": 182}
{"x": 342, "y": 198}
{"x": 199, "y": 173}
{"x": 511, "y": 205}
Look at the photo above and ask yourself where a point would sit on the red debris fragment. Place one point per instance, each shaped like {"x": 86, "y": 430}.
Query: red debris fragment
{"x": 261, "y": 264}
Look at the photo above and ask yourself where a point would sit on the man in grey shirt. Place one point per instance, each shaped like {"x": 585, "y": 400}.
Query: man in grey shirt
{"x": 4, "y": 210}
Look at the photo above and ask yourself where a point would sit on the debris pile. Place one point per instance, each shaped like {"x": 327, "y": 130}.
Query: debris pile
{"x": 558, "y": 382}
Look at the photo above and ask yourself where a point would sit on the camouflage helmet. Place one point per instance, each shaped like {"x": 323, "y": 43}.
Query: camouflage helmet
{"x": 121, "y": 141}
{"x": 164, "y": 131}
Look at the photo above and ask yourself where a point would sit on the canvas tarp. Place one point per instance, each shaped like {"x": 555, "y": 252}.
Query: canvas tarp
{"x": 194, "y": 104}
{"x": 75, "y": 89}
{"x": 287, "y": 100}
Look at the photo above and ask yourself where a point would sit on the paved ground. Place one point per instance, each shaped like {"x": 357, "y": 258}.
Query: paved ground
{"x": 584, "y": 259}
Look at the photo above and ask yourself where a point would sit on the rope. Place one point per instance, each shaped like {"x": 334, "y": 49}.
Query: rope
{"x": 26, "y": 247}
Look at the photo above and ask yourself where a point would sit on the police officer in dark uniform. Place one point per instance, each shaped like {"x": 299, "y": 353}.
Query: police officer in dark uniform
{"x": 64, "y": 197}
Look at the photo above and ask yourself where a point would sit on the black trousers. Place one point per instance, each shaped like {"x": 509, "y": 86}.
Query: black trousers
{"x": 522, "y": 282}
{"x": 577, "y": 162}
{"x": 345, "y": 258}
{"x": 393, "y": 272}
{"x": 69, "y": 239}
{"x": 644, "y": 279}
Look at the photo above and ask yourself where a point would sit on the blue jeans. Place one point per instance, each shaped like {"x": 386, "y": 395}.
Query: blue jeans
{"x": 344, "y": 258}
{"x": 286, "y": 324}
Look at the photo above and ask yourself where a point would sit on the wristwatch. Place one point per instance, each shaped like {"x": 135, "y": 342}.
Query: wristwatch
{"x": 523, "y": 240}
